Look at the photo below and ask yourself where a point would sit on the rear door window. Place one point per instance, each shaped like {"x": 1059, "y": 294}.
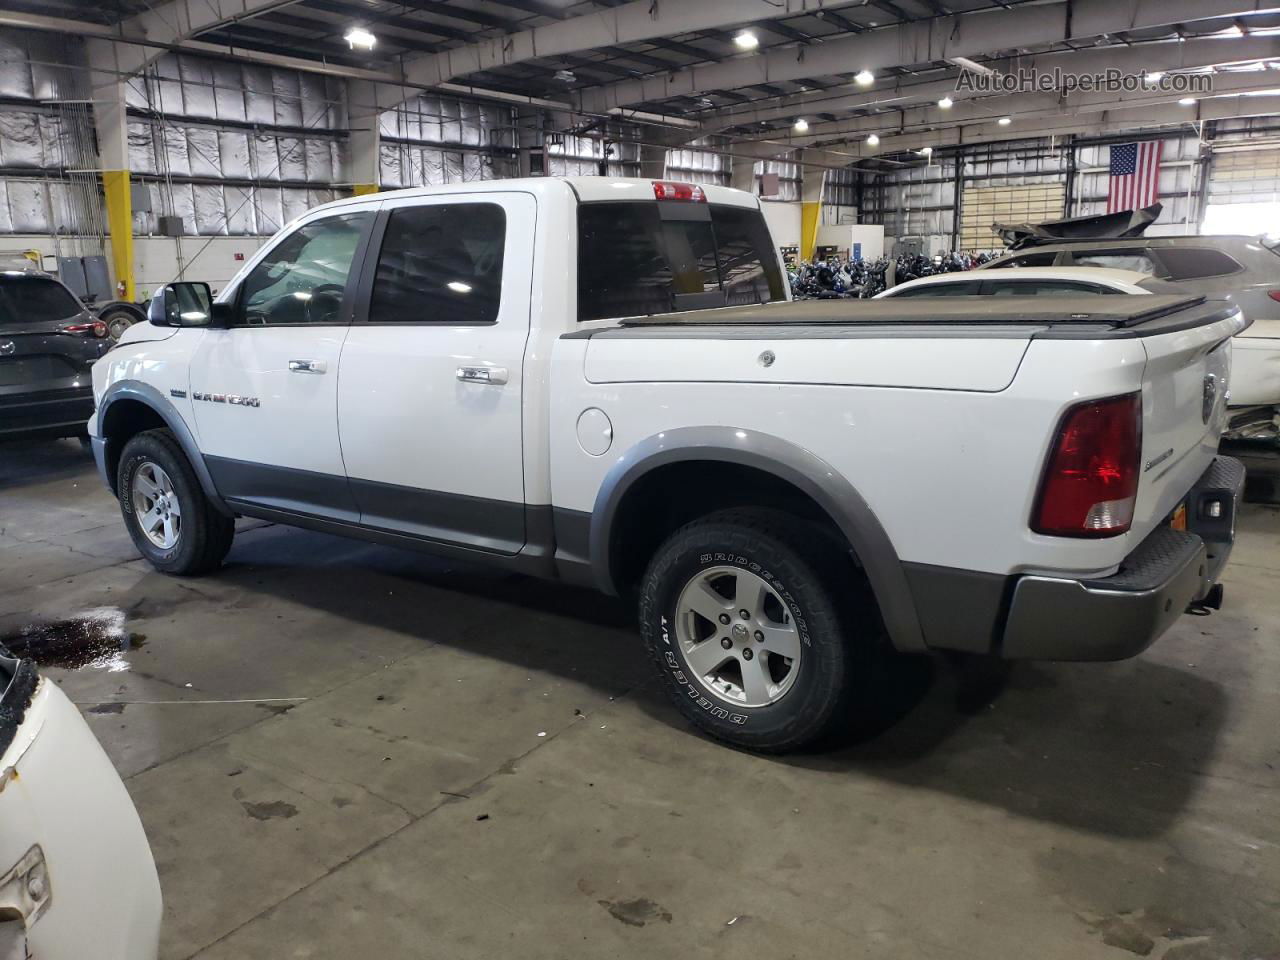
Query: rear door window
{"x": 1196, "y": 263}
{"x": 26, "y": 300}
{"x": 440, "y": 263}
{"x": 639, "y": 259}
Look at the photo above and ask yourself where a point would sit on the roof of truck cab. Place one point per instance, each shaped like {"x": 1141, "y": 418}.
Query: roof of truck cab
{"x": 1126, "y": 280}
{"x": 587, "y": 190}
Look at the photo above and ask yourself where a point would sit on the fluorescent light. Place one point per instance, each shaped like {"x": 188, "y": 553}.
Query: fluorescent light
{"x": 457, "y": 286}
{"x": 873, "y": 141}
{"x": 1154, "y": 76}
{"x": 1187, "y": 102}
{"x": 927, "y": 151}
{"x": 746, "y": 40}
{"x": 359, "y": 37}
{"x": 946, "y": 103}
{"x": 1004, "y": 121}
{"x": 865, "y": 78}
{"x": 802, "y": 125}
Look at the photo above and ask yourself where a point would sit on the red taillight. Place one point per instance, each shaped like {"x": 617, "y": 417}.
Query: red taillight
{"x": 1274, "y": 294}
{"x": 672, "y": 190}
{"x": 97, "y": 328}
{"x": 1091, "y": 479}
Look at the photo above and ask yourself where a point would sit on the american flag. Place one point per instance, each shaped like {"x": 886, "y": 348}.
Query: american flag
{"x": 1135, "y": 175}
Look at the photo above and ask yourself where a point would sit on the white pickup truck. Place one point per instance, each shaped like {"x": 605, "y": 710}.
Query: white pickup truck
{"x": 599, "y": 380}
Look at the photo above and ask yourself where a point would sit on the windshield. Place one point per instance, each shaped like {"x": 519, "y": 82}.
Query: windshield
{"x": 25, "y": 300}
{"x": 652, "y": 258}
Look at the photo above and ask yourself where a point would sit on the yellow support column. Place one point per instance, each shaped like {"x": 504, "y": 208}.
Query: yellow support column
{"x": 115, "y": 184}
{"x": 360, "y": 189}
{"x": 810, "y": 213}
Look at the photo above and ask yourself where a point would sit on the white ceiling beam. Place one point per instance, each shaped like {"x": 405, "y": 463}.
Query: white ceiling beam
{"x": 626, "y": 23}
{"x": 1024, "y": 106}
{"x": 1130, "y": 120}
{"x": 177, "y": 21}
{"x": 921, "y": 41}
{"x": 1141, "y": 58}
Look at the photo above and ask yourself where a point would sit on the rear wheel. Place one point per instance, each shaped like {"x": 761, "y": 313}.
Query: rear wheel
{"x": 172, "y": 523}
{"x": 118, "y": 320}
{"x": 745, "y": 615}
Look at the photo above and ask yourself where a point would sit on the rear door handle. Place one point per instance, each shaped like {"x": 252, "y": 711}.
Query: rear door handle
{"x": 495, "y": 375}
{"x": 307, "y": 366}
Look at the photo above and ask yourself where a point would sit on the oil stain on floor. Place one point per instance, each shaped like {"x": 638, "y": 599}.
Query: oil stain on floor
{"x": 96, "y": 638}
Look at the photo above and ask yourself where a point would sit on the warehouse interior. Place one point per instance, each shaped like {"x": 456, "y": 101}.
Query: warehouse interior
{"x": 339, "y": 746}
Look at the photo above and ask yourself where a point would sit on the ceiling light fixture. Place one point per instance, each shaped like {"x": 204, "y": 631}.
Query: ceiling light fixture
{"x": 1154, "y": 76}
{"x": 1187, "y": 102}
{"x": 873, "y": 141}
{"x": 1004, "y": 121}
{"x": 927, "y": 151}
{"x": 359, "y": 37}
{"x": 746, "y": 40}
{"x": 802, "y": 125}
{"x": 865, "y": 78}
{"x": 946, "y": 103}
{"x": 565, "y": 76}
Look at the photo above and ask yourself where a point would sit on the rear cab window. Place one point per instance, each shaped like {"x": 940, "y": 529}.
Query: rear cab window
{"x": 26, "y": 300}
{"x": 653, "y": 257}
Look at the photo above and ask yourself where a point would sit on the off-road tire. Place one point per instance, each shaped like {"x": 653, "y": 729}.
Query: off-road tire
{"x": 205, "y": 534}
{"x": 828, "y": 602}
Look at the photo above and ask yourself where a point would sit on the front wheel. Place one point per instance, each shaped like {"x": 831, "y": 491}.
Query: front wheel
{"x": 744, "y": 614}
{"x": 172, "y": 523}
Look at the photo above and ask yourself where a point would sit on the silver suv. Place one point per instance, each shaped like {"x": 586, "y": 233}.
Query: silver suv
{"x": 1243, "y": 269}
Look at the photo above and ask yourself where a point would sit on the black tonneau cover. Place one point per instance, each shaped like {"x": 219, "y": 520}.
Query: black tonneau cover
{"x": 1117, "y": 311}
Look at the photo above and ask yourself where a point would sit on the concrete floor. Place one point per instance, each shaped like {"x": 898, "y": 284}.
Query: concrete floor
{"x": 341, "y": 750}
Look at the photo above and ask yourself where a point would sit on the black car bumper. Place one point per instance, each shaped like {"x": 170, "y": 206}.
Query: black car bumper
{"x": 46, "y": 413}
{"x": 1119, "y": 616}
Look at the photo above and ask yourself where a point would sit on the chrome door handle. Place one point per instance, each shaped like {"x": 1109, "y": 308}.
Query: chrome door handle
{"x": 307, "y": 366}
{"x": 496, "y": 375}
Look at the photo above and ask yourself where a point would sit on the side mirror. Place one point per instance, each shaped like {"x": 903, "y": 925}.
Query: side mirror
{"x": 184, "y": 304}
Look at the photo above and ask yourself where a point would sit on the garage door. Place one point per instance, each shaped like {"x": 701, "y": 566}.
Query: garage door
{"x": 980, "y": 207}
{"x": 1243, "y": 193}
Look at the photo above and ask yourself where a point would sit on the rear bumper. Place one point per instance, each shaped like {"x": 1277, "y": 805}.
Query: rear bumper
{"x": 47, "y": 413}
{"x": 1115, "y": 617}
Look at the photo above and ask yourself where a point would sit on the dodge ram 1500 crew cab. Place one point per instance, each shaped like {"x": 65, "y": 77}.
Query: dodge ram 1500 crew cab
{"x": 599, "y": 380}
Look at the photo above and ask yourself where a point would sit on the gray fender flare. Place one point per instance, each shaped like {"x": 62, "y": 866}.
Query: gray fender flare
{"x": 789, "y": 462}
{"x": 149, "y": 396}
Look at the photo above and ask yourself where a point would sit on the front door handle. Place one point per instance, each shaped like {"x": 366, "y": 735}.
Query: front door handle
{"x": 495, "y": 375}
{"x": 307, "y": 366}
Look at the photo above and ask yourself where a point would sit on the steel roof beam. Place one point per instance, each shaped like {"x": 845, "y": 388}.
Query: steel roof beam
{"x": 1021, "y": 108}
{"x": 632, "y": 22}
{"x": 923, "y": 41}
{"x": 1142, "y": 58}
